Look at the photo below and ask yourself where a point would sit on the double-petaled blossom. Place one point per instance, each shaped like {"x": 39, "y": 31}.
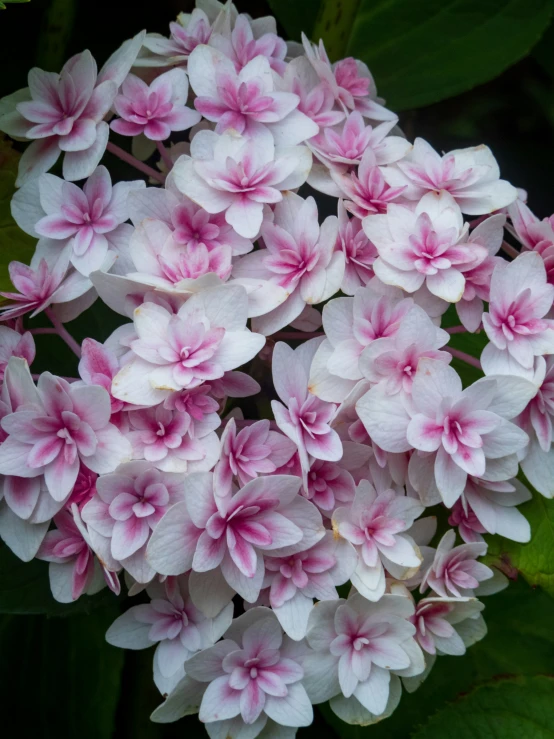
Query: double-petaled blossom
{"x": 359, "y": 252}
{"x": 299, "y": 257}
{"x": 351, "y": 325}
{"x": 154, "y": 110}
{"x": 471, "y": 176}
{"x": 427, "y": 245}
{"x": 73, "y": 568}
{"x": 15, "y": 344}
{"x": 252, "y": 451}
{"x": 375, "y": 524}
{"x": 303, "y": 417}
{"x": 60, "y": 426}
{"x": 455, "y": 571}
{"x": 224, "y": 539}
{"x": 456, "y": 432}
{"x": 360, "y": 651}
{"x": 251, "y": 675}
{"x": 250, "y": 39}
{"x": 65, "y": 113}
{"x": 440, "y": 624}
{"x": 487, "y": 507}
{"x": 294, "y": 581}
{"x": 172, "y": 622}
{"x": 124, "y": 511}
{"x": 243, "y": 101}
{"x": 238, "y": 175}
{"x": 87, "y": 222}
{"x": 534, "y": 234}
{"x": 185, "y": 34}
{"x": 516, "y": 323}
{"x": 173, "y": 352}
{"x": 98, "y": 366}
{"x": 317, "y": 100}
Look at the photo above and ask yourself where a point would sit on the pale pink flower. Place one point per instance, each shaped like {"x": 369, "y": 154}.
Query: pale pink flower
{"x": 359, "y": 252}
{"x": 351, "y": 82}
{"x": 98, "y": 366}
{"x": 125, "y": 510}
{"x": 154, "y": 110}
{"x": 239, "y": 175}
{"x": 250, "y": 39}
{"x": 366, "y": 189}
{"x": 250, "y": 675}
{"x": 304, "y": 418}
{"x": 190, "y": 30}
{"x": 223, "y": 539}
{"x": 65, "y": 113}
{"x": 534, "y": 234}
{"x": 174, "y": 624}
{"x": 65, "y": 424}
{"x": 360, "y": 649}
{"x": 520, "y": 298}
{"x": 14, "y": 344}
{"x": 163, "y": 437}
{"x": 329, "y": 485}
{"x": 471, "y": 176}
{"x": 73, "y": 569}
{"x": 455, "y": 570}
{"x": 197, "y": 405}
{"x": 436, "y": 620}
{"x": 252, "y": 451}
{"x": 299, "y": 257}
{"x": 206, "y": 338}
{"x": 317, "y": 100}
{"x": 375, "y": 524}
{"x": 490, "y": 507}
{"x": 244, "y": 100}
{"x": 424, "y": 246}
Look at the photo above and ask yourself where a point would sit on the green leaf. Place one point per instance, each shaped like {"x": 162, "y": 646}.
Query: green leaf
{"x": 520, "y": 641}
{"x": 3, "y": 7}
{"x": 422, "y": 53}
{"x": 534, "y": 560}
{"x": 60, "y": 678}
{"x": 14, "y": 243}
{"x": 511, "y": 709}
{"x": 55, "y": 34}
{"x": 25, "y": 589}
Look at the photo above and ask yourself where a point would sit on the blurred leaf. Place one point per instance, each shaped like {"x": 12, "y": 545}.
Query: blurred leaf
{"x": 511, "y": 709}
{"x": 520, "y": 641}
{"x": 14, "y": 244}
{"x": 25, "y": 589}
{"x": 296, "y": 17}
{"x": 60, "y": 677}
{"x": 543, "y": 52}
{"x": 420, "y": 54}
{"x": 55, "y": 34}
{"x": 534, "y": 560}
{"x": 3, "y": 7}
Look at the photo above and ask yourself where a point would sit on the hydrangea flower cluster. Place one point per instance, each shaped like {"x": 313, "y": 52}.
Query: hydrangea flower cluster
{"x": 290, "y": 559}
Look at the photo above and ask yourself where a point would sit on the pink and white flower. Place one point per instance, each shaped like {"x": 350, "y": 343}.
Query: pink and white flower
{"x": 238, "y": 175}
{"x": 375, "y": 524}
{"x": 154, "y": 110}
{"x": 15, "y": 344}
{"x": 359, "y": 252}
{"x": 185, "y": 34}
{"x": 471, "y": 176}
{"x": 172, "y": 622}
{"x": 441, "y": 628}
{"x": 250, "y": 39}
{"x": 250, "y": 674}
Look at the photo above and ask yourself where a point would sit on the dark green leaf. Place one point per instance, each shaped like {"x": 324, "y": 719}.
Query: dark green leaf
{"x": 55, "y": 34}
{"x": 25, "y": 589}
{"x": 511, "y": 709}
{"x": 60, "y": 678}
{"x": 3, "y": 6}
{"x": 295, "y": 16}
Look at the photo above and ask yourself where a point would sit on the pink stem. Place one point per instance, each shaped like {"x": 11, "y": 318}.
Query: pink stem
{"x": 456, "y": 330}
{"x": 467, "y": 358}
{"x": 38, "y": 331}
{"x": 509, "y": 250}
{"x": 164, "y": 155}
{"x": 134, "y": 162}
{"x": 63, "y": 333}
{"x": 282, "y": 335}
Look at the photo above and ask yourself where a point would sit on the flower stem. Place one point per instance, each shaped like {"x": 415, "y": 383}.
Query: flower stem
{"x": 467, "y": 358}
{"x": 164, "y": 155}
{"x": 63, "y": 333}
{"x": 38, "y": 331}
{"x": 456, "y": 330}
{"x": 510, "y": 250}
{"x": 134, "y": 162}
{"x": 300, "y": 335}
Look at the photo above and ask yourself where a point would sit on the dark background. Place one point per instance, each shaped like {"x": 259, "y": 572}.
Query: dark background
{"x": 58, "y": 677}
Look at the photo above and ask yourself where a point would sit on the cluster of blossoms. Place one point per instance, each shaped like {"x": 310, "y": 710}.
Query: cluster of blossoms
{"x": 276, "y": 563}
